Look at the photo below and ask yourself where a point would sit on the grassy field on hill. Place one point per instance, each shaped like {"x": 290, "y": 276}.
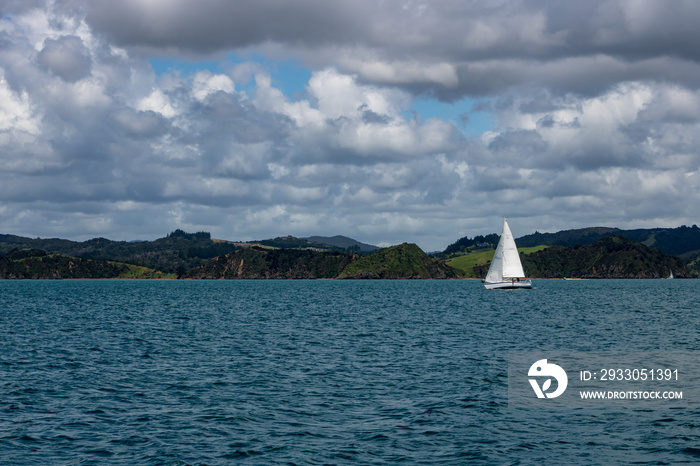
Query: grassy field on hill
{"x": 480, "y": 257}
{"x": 140, "y": 272}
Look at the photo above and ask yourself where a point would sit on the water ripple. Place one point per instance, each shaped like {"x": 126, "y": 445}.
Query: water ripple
{"x": 322, "y": 372}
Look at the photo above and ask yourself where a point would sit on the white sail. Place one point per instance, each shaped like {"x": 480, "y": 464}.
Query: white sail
{"x": 495, "y": 273}
{"x": 505, "y": 266}
{"x": 512, "y": 268}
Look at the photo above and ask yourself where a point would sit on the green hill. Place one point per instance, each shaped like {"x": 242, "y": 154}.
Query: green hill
{"x": 610, "y": 257}
{"x": 37, "y": 264}
{"x": 402, "y": 261}
{"x": 692, "y": 262}
{"x": 177, "y": 252}
{"x": 567, "y": 237}
{"x": 675, "y": 241}
{"x": 682, "y": 241}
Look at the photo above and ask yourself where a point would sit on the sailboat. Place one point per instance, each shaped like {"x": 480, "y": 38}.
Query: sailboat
{"x": 506, "y": 271}
{"x": 670, "y": 277}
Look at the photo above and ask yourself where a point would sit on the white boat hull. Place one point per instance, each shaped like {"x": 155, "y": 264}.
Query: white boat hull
{"x": 508, "y": 285}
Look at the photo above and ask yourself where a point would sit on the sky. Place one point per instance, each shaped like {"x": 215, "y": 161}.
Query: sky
{"x": 386, "y": 121}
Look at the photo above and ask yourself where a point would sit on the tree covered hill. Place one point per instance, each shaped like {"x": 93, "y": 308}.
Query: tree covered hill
{"x": 177, "y": 252}
{"x": 402, "y": 261}
{"x": 37, "y": 264}
{"x": 259, "y": 263}
{"x": 675, "y": 241}
{"x": 396, "y": 262}
{"x": 609, "y": 257}
{"x": 569, "y": 237}
{"x": 466, "y": 243}
{"x": 683, "y": 241}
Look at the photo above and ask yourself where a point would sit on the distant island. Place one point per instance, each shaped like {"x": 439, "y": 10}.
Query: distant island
{"x": 583, "y": 253}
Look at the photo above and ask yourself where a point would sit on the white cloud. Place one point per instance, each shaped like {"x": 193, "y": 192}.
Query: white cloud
{"x": 205, "y": 83}
{"x": 157, "y": 102}
{"x": 596, "y": 110}
{"x": 402, "y": 72}
{"x": 16, "y": 110}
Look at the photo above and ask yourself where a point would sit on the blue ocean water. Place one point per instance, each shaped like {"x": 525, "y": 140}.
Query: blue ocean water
{"x": 324, "y": 372}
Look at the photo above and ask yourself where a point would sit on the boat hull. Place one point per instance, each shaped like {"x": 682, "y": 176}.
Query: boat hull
{"x": 508, "y": 285}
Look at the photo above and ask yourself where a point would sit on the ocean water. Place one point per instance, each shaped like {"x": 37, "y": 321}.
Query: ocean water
{"x": 325, "y": 372}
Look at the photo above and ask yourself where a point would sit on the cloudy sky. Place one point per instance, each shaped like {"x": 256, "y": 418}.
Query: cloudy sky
{"x": 383, "y": 120}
